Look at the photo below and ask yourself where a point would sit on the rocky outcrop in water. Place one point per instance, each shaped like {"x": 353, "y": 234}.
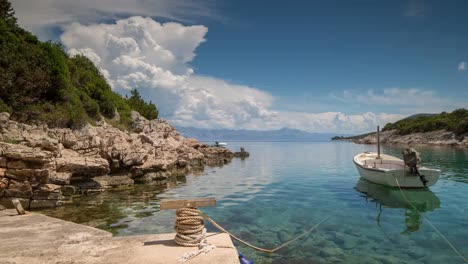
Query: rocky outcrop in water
{"x": 439, "y": 137}
{"x": 46, "y": 167}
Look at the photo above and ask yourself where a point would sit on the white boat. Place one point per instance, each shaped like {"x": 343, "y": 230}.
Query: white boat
{"x": 388, "y": 170}
{"x": 220, "y": 144}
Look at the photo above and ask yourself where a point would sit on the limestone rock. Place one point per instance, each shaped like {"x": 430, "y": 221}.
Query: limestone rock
{"x": 69, "y": 190}
{"x": 48, "y": 192}
{"x": 113, "y": 181}
{"x": 61, "y": 178}
{"x": 24, "y": 153}
{"x": 46, "y": 166}
{"x": 83, "y": 166}
{"x": 19, "y": 189}
{"x": 151, "y": 177}
{"x": 4, "y": 117}
{"x": 3, "y": 185}
{"x": 31, "y": 175}
{"x": 3, "y": 162}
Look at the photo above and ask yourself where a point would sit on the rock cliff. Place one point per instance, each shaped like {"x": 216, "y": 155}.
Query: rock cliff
{"x": 46, "y": 167}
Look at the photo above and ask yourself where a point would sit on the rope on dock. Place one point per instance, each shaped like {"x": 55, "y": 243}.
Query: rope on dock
{"x": 190, "y": 227}
{"x": 427, "y": 220}
{"x": 259, "y": 248}
{"x": 191, "y": 232}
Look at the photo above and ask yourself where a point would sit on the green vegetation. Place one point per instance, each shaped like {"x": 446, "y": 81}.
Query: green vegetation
{"x": 137, "y": 103}
{"x": 456, "y": 121}
{"x": 40, "y": 82}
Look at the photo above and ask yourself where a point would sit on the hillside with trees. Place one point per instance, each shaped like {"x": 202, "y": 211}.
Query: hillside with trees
{"x": 41, "y": 83}
{"x": 456, "y": 121}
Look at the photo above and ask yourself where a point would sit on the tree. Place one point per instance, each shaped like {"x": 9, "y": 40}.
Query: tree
{"x": 7, "y": 13}
{"x": 136, "y": 102}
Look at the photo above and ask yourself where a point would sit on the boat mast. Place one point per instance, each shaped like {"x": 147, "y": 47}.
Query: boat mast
{"x": 378, "y": 142}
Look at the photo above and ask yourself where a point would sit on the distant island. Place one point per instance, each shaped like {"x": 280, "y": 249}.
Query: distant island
{"x": 449, "y": 129}
{"x": 284, "y": 134}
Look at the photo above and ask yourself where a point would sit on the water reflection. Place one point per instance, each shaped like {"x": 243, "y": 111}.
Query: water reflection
{"x": 423, "y": 199}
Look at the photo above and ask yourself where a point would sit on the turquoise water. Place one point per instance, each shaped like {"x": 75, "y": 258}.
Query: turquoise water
{"x": 286, "y": 188}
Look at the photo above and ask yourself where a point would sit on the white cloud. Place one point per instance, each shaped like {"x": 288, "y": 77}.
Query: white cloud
{"x": 141, "y": 53}
{"x": 462, "y": 66}
{"x": 39, "y": 16}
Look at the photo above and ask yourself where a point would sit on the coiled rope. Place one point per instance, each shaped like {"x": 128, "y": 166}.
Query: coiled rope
{"x": 190, "y": 227}
{"x": 427, "y": 220}
{"x": 191, "y": 232}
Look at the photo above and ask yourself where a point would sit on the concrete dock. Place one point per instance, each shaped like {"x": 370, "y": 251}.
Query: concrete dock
{"x": 36, "y": 238}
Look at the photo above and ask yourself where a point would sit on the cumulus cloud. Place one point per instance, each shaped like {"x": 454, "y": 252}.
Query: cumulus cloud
{"x": 40, "y": 16}
{"x": 462, "y": 66}
{"x": 141, "y": 53}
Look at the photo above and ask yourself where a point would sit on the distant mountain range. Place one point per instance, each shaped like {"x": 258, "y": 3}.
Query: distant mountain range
{"x": 284, "y": 134}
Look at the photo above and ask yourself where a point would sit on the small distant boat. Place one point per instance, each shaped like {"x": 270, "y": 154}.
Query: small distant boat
{"x": 392, "y": 171}
{"x": 220, "y": 144}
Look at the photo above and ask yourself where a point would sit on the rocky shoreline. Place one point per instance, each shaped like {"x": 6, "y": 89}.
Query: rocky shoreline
{"x": 45, "y": 167}
{"x": 434, "y": 138}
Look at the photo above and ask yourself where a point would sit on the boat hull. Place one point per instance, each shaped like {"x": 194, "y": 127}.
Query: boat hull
{"x": 397, "y": 177}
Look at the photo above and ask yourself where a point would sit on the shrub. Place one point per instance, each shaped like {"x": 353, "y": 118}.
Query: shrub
{"x": 4, "y": 107}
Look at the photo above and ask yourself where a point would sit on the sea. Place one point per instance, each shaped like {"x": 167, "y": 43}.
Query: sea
{"x": 285, "y": 188}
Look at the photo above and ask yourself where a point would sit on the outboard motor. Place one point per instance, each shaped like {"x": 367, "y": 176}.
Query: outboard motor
{"x": 412, "y": 159}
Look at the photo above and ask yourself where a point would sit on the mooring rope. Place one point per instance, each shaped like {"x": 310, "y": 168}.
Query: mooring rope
{"x": 427, "y": 220}
{"x": 191, "y": 232}
{"x": 190, "y": 227}
{"x": 259, "y": 248}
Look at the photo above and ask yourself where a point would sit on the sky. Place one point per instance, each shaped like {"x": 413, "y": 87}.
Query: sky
{"x": 320, "y": 66}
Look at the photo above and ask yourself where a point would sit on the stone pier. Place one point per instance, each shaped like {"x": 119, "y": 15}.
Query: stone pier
{"x": 36, "y": 238}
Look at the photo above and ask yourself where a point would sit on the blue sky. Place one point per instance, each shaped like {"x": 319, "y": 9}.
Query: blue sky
{"x": 305, "y": 50}
{"x": 321, "y": 66}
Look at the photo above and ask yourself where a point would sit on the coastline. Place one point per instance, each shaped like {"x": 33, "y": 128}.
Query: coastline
{"x": 433, "y": 138}
{"x": 46, "y": 167}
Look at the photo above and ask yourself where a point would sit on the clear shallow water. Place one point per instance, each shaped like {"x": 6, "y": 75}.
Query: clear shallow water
{"x": 285, "y": 188}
